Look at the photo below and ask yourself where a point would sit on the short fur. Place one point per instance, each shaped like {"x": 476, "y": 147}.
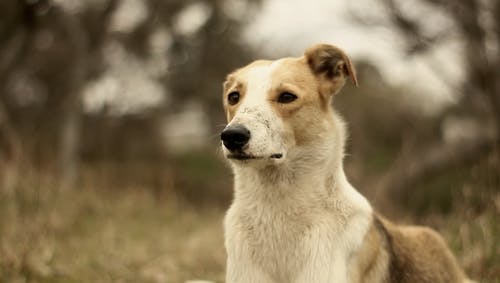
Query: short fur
{"x": 295, "y": 217}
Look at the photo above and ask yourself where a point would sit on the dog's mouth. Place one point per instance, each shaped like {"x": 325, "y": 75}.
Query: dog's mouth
{"x": 244, "y": 156}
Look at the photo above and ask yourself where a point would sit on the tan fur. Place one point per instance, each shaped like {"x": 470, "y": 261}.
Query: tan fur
{"x": 298, "y": 219}
{"x": 405, "y": 254}
{"x": 420, "y": 255}
{"x": 373, "y": 259}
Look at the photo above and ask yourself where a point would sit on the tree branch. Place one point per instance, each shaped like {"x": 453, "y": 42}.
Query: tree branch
{"x": 411, "y": 170}
{"x": 417, "y": 40}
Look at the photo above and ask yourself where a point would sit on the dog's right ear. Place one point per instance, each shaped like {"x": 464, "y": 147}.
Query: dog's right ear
{"x": 332, "y": 65}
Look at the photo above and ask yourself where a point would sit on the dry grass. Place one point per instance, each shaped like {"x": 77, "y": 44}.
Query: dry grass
{"x": 91, "y": 234}
{"x": 88, "y": 235}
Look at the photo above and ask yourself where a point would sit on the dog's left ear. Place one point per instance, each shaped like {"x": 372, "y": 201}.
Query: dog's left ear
{"x": 331, "y": 63}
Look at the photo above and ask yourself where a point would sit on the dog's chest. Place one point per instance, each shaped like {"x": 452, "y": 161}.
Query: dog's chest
{"x": 276, "y": 242}
{"x": 282, "y": 242}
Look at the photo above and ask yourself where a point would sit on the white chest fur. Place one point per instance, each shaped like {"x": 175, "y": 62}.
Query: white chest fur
{"x": 304, "y": 232}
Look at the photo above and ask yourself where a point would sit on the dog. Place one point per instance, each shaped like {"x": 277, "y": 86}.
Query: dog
{"x": 295, "y": 218}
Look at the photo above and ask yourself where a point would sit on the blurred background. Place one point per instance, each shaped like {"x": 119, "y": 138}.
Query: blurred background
{"x": 110, "y": 114}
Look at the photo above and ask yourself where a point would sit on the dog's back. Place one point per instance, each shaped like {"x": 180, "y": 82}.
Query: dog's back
{"x": 407, "y": 254}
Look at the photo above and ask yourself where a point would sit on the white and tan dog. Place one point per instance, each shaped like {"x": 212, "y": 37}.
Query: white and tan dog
{"x": 295, "y": 218}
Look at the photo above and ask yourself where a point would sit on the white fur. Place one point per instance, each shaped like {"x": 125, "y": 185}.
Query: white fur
{"x": 296, "y": 219}
{"x": 257, "y": 116}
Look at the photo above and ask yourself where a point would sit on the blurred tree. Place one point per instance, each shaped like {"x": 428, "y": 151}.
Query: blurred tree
{"x": 47, "y": 59}
{"x": 51, "y": 51}
{"x": 476, "y": 24}
{"x": 200, "y": 58}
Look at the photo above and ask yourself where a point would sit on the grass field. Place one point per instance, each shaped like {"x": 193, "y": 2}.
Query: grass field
{"x": 91, "y": 236}
{"x": 94, "y": 234}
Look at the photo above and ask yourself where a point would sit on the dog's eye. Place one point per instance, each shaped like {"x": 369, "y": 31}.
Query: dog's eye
{"x": 233, "y": 98}
{"x": 286, "y": 97}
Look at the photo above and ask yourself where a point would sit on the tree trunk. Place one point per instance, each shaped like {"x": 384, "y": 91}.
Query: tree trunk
{"x": 87, "y": 47}
{"x": 496, "y": 72}
{"x": 72, "y": 108}
{"x": 10, "y": 153}
{"x": 70, "y": 139}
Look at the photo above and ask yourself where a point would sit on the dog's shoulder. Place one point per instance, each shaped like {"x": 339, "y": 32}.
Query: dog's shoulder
{"x": 417, "y": 254}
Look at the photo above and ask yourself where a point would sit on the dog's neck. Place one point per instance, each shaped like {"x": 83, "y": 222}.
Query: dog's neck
{"x": 311, "y": 175}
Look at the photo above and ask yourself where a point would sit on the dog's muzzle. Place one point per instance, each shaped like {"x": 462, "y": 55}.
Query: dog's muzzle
{"x": 235, "y": 138}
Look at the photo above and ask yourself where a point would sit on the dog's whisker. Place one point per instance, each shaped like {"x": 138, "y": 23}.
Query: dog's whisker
{"x": 214, "y": 136}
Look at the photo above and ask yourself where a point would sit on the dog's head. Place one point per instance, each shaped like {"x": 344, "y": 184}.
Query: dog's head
{"x": 276, "y": 107}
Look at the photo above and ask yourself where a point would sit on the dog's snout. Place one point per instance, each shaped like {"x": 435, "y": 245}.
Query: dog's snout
{"x": 235, "y": 137}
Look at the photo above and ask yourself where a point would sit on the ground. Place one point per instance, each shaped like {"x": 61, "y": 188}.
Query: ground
{"x": 135, "y": 234}
{"x": 90, "y": 236}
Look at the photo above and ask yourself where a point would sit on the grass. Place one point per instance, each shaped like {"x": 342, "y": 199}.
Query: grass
{"x": 134, "y": 234}
{"x": 88, "y": 235}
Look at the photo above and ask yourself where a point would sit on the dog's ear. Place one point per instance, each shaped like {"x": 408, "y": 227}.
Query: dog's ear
{"x": 331, "y": 63}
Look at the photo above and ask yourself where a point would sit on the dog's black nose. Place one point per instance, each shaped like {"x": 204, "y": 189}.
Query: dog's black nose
{"x": 235, "y": 137}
